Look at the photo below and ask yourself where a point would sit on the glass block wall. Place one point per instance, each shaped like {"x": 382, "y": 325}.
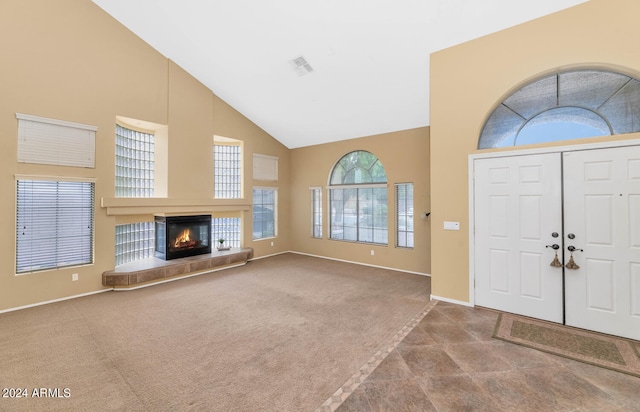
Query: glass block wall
{"x": 227, "y": 228}
{"x": 134, "y": 163}
{"x": 134, "y": 241}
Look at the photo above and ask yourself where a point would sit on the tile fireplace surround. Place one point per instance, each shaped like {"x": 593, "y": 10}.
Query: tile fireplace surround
{"x": 149, "y": 270}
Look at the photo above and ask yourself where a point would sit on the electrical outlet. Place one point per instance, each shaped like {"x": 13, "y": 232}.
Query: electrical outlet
{"x": 74, "y": 277}
{"x": 271, "y": 243}
{"x": 373, "y": 252}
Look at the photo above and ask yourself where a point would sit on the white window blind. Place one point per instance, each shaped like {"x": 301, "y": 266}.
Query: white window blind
{"x": 404, "y": 215}
{"x": 265, "y": 167}
{"x": 55, "y": 142}
{"x": 54, "y": 224}
{"x": 316, "y": 212}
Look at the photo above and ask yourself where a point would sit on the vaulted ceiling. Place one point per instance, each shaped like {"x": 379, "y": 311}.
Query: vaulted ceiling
{"x": 364, "y": 67}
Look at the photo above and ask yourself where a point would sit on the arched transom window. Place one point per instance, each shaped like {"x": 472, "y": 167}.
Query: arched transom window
{"x": 563, "y": 106}
{"x": 358, "y": 199}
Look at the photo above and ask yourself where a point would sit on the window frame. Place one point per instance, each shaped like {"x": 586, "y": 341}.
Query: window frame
{"x": 407, "y": 217}
{"x": 220, "y": 172}
{"x": 360, "y": 225}
{"x": 316, "y": 212}
{"x": 66, "y": 235}
{"x": 143, "y": 169}
{"x": 353, "y": 176}
{"x": 262, "y": 205}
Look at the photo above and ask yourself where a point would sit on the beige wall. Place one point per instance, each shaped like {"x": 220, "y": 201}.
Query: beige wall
{"x": 69, "y": 60}
{"x": 405, "y": 156}
{"x": 468, "y": 80}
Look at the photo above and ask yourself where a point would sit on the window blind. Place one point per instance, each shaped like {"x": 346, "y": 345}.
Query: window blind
{"x": 404, "y": 215}
{"x": 316, "y": 212}
{"x": 265, "y": 167}
{"x": 55, "y": 142}
{"x": 54, "y": 224}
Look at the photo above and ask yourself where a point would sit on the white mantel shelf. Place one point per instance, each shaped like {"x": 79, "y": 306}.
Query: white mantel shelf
{"x": 123, "y": 206}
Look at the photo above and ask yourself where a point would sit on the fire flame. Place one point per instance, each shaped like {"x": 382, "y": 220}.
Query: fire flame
{"x": 184, "y": 237}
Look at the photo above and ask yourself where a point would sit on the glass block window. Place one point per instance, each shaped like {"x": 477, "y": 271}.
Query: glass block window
{"x": 134, "y": 241}
{"x": 227, "y": 228}
{"x": 264, "y": 213}
{"x": 567, "y": 105}
{"x": 134, "y": 163}
{"x": 227, "y": 169}
{"x": 404, "y": 215}
{"x": 316, "y": 212}
{"x": 54, "y": 224}
{"x": 358, "y": 199}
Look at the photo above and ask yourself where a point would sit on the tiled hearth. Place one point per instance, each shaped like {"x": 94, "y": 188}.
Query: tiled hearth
{"x": 154, "y": 269}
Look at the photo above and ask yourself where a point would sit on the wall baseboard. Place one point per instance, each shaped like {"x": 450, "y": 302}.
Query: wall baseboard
{"x": 55, "y": 300}
{"x": 456, "y": 302}
{"x": 360, "y": 263}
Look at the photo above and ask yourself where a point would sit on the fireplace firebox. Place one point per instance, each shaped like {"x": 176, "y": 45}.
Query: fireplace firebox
{"x": 182, "y": 236}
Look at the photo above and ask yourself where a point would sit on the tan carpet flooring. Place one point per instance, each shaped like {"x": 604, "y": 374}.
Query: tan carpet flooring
{"x": 279, "y": 334}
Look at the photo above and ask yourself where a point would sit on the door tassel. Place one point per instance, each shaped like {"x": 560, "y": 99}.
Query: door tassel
{"x": 572, "y": 264}
{"x": 556, "y": 263}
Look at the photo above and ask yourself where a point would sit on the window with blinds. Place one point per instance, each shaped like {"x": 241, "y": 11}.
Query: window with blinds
{"x": 135, "y": 153}
{"x": 55, "y": 142}
{"x": 54, "y": 224}
{"x": 316, "y": 212}
{"x": 404, "y": 215}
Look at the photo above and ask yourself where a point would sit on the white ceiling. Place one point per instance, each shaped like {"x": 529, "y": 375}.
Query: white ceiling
{"x": 370, "y": 58}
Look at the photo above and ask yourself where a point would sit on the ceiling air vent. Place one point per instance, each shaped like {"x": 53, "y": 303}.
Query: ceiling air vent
{"x": 301, "y": 66}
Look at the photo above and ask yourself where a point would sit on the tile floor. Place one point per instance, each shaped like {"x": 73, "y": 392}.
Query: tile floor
{"x": 450, "y": 362}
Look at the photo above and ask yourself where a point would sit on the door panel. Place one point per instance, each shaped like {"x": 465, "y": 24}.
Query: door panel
{"x": 602, "y": 210}
{"x": 517, "y": 207}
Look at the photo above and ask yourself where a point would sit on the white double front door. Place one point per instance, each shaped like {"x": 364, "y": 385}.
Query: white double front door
{"x": 528, "y": 209}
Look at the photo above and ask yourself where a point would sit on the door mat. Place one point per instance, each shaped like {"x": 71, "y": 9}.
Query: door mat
{"x": 619, "y": 354}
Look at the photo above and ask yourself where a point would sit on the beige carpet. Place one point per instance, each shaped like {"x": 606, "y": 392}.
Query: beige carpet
{"x": 607, "y": 351}
{"x": 279, "y": 334}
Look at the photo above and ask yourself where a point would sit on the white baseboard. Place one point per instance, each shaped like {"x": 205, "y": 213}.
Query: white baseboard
{"x": 273, "y": 254}
{"x": 362, "y": 264}
{"x": 457, "y": 302}
{"x": 55, "y": 300}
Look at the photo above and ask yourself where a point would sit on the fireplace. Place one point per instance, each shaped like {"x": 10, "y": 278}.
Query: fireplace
{"x": 182, "y": 236}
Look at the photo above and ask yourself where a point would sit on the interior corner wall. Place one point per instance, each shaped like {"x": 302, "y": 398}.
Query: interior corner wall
{"x": 405, "y": 157}
{"x": 469, "y": 80}
{"x": 69, "y": 60}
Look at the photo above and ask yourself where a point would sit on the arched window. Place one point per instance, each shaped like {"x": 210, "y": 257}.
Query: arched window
{"x": 358, "y": 199}
{"x": 563, "y": 106}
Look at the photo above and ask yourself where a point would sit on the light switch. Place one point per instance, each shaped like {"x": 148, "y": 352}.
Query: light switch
{"x": 451, "y": 225}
